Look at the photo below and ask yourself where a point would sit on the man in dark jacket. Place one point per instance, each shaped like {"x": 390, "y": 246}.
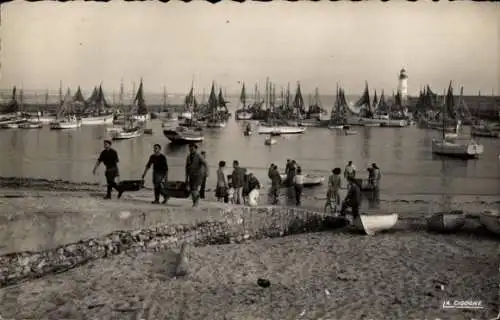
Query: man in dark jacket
{"x": 238, "y": 179}
{"x": 275, "y": 177}
{"x": 195, "y": 165}
{"x": 204, "y": 177}
{"x": 109, "y": 157}
{"x": 160, "y": 173}
{"x": 352, "y": 199}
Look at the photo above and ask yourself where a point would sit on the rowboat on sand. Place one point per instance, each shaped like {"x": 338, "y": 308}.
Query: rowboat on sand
{"x": 451, "y": 221}
{"x": 491, "y": 221}
{"x": 371, "y": 224}
{"x": 309, "y": 180}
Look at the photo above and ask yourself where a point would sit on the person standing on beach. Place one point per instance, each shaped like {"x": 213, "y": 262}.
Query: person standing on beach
{"x": 253, "y": 186}
{"x": 275, "y": 177}
{"x": 205, "y": 176}
{"x": 350, "y": 171}
{"x": 352, "y": 199}
{"x": 298, "y": 182}
{"x": 194, "y": 172}
{"x": 334, "y": 185}
{"x": 160, "y": 173}
{"x": 238, "y": 180}
{"x": 376, "y": 176}
{"x": 221, "y": 190}
{"x": 109, "y": 157}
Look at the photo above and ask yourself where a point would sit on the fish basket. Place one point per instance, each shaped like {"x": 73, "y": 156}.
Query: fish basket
{"x": 176, "y": 189}
{"x": 131, "y": 185}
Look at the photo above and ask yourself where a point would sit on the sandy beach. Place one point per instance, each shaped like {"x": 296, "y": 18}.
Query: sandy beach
{"x": 403, "y": 274}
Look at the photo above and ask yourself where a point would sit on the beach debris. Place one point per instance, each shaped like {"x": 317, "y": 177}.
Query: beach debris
{"x": 182, "y": 264}
{"x": 263, "y": 283}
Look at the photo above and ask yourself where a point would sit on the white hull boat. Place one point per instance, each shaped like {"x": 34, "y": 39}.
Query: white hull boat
{"x": 141, "y": 117}
{"x": 377, "y": 122}
{"x": 336, "y": 127}
{"x": 446, "y": 221}
{"x": 216, "y": 124}
{"x": 97, "y": 120}
{"x": 46, "y": 119}
{"x": 186, "y": 115}
{"x": 457, "y": 147}
{"x": 281, "y": 130}
{"x": 183, "y": 135}
{"x": 269, "y": 141}
{"x": 371, "y": 125}
{"x": 114, "y": 129}
{"x": 31, "y": 125}
{"x": 125, "y": 134}
{"x": 309, "y": 180}
{"x": 65, "y": 124}
{"x": 491, "y": 221}
{"x": 371, "y": 224}
{"x": 244, "y": 115}
{"x": 350, "y": 132}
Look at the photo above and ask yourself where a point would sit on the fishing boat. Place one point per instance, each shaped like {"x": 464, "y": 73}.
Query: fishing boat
{"x": 243, "y": 113}
{"x": 280, "y": 130}
{"x": 114, "y": 129}
{"x": 484, "y": 131}
{"x": 127, "y": 133}
{"x": 446, "y": 221}
{"x": 70, "y": 122}
{"x": 190, "y": 104}
{"x": 33, "y": 124}
{"x": 66, "y": 118}
{"x": 309, "y": 180}
{"x": 349, "y": 132}
{"x": 338, "y": 113}
{"x": 491, "y": 221}
{"x": 140, "y": 112}
{"x": 455, "y": 144}
{"x": 97, "y": 110}
{"x": 371, "y": 224}
{"x": 184, "y": 135}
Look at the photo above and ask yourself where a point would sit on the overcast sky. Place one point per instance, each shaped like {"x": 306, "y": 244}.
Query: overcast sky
{"x": 316, "y": 43}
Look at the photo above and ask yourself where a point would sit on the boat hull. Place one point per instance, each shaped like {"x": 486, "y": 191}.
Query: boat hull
{"x": 98, "y": 120}
{"x": 125, "y": 135}
{"x": 374, "y": 122}
{"x": 491, "y": 222}
{"x": 64, "y": 125}
{"x": 243, "y": 115}
{"x": 281, "y": 130}
{"x": 31, "y": 125}
{"x": 309, "y": 181}
{"x": 372, "y": 224}
{"x": 269, "y": 142}
{"x": 446, "y": 221}
{"x": 141, "y": 117}
{"x": 336, "y": 127}
{"x": 216, "y": 124}
{"x": 454, "y": 150}
{"x": 186, "y": 137}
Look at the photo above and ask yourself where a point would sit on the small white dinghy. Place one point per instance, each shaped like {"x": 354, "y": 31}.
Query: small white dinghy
{"x": 269, "y": 141}
{"x": 451, "y": 221}
{"x": 373, "y": 223}
{"x": 491, "y": 221}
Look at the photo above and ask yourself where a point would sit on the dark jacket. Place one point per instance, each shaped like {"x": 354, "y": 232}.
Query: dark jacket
{"x": 354, "y": 195}
{"x": 275, "y": 177}
{"x": 238, "y": 177}
{"x": 159, "y": 163}
{"x": 195, "y": 165}
{"x": 253, "y": 183}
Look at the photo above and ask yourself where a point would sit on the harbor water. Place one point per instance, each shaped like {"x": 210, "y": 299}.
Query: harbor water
{"x": 410, "y": 173}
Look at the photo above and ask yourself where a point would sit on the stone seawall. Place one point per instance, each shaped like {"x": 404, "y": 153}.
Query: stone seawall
{"x": 239, "y": 224}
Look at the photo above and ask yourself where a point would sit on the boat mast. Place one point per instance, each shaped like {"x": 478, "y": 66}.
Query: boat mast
{"x": 121, "y": 94}
{"x": 60, "y": 94}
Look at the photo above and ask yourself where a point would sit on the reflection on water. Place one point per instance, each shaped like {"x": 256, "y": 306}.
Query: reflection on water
{"x": 404, "y": 156}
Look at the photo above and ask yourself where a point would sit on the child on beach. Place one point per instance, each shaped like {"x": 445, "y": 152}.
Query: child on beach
{"x": 222, "y": 187}
{"x": 230, "y": 193}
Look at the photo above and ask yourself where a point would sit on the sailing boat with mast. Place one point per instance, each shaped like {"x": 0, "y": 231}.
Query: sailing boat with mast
{"x": 272, "y": 128}
{"x": 215, "y": 117}
{"x": 454, "y": 144}
{"x": 66, "y": 118}
{"x": 243, "y": 113}
{"x": 97, "y": 111}
{"x": 33, "y": 123}
{"x": 190, "y": 104}
{"x": 337, "y": 120}
{"x": 139, "y": 105}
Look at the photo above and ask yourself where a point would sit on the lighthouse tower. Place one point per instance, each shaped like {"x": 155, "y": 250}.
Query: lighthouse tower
{"x": 403, "y": 86}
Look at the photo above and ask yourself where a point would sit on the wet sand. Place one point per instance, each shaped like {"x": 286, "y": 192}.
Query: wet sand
{"x": 334, "y": 275}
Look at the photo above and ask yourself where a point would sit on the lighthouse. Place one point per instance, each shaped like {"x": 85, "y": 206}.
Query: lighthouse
{"x": 403, "y": 86}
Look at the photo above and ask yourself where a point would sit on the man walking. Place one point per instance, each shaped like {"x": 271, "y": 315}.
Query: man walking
{"x": 275, "y": 177}
{"x": 238, "y": 179}
{"x": 204, "y": 176}
{"x": 160, "y": 173}
{"x": 194, "y": 172}
{"x": 109, "y": 157}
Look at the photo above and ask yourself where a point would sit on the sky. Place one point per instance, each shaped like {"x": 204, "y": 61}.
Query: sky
{"x": 317, "y": 43}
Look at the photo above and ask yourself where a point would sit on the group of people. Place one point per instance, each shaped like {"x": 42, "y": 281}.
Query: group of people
{"x": 241, "y": 186}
